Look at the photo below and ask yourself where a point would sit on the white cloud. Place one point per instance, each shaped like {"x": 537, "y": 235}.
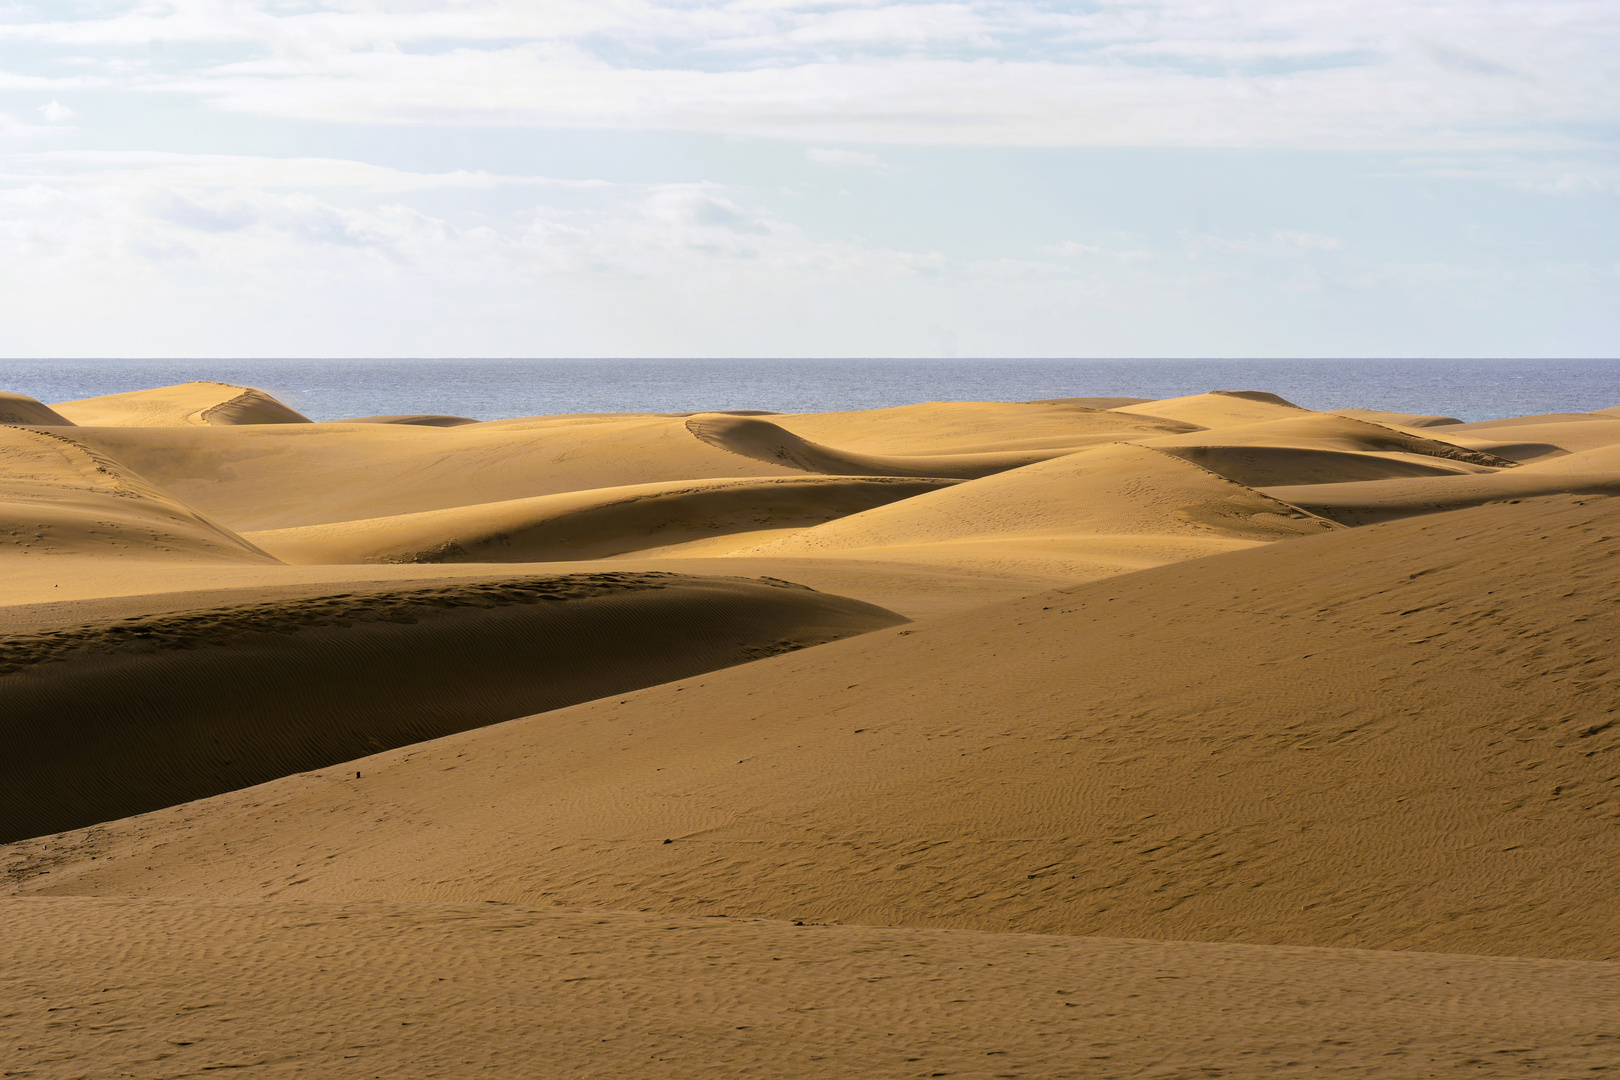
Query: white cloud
{"x": 1381, "y": 74}
{"x": 55, "y": 112}
{"x": 845, "y": 159}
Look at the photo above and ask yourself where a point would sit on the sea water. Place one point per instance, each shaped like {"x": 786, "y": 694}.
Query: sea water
{"x": 493, "y": 389}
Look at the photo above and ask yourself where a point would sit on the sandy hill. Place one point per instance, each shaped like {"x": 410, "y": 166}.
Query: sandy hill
{"x": 1391, "y": 737}
{"x": 1098, "y": 511}
{"x": 974, "y": 427}
{"x": 116, "y": 715}
{"x": 22, "y": 409}
{"x": 1595, "y": 472}
{"x": 1219, "y": 408}
{"x": 283, "y": 476}
{"x": 58, "y": 496}
{"x": 186, "y": 405}
{"x": 1230, "y": 739}
{"x": 595, "y": 523}
{"x": 1399, "y": 419}
{"x": 1322, "y": 448}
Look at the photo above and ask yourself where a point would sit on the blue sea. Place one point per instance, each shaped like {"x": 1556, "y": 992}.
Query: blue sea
{"x": 493, "y": 389}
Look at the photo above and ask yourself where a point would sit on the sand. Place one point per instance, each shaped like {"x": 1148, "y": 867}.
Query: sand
{"x": 1086, "y": 737}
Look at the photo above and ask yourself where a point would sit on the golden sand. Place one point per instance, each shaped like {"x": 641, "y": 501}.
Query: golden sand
{"x": 1078, "y": 738}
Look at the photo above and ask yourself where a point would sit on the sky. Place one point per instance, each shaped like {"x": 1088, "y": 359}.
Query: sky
{"x": 781, "y": 178}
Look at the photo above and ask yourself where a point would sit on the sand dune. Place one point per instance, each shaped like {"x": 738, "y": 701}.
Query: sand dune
{"x": 282, "y": 476}
{"x": 1231, "y": 738}
{"x": 414, "y": 419}
{"x": 1392, "y": 737}
{"x": 185, "y": 405}
{"x": 1322, "y": 448}
{"x": 1399, "y": 419}
{"x": 22, "y": 409}
{"x": 1220, "y": 408}
{"x": 1534, "y": 442}
{"x": 1592, "y": 472}
{"x": 1120, "y": 506}
{"x": 975, "y": 427}
{"x": 762, "y": 440}
{"x": 591, "y": 524}
{"x": 118, "y": 987}
{"x": 116, "y": 716}
{"x": 58, "y": 496}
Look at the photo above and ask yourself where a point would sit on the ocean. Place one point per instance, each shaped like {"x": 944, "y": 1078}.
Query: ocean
{"x": 493, "y": 389}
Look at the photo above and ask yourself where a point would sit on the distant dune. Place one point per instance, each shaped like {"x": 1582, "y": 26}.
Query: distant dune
{"x": 1209, "y": 736}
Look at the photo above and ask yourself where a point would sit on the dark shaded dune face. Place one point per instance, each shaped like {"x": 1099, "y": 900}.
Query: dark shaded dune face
{"x": 22, "y": 409}
{"x": 106, "y": 720}
{"x": 412, "y": 420}
{"x": 1591, "y": 472}
{"x": 1271, "y": 466}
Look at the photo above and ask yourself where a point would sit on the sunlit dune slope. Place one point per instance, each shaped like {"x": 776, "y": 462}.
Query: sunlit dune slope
{"x": 115, "y": 716}
{"x": 58, "y": 496}
{"x": 591, "y": 524}
{"x": 1322, "y": 448}
{"x": 275, "y": 477}
{"x": 1392, "y": 737}
{"x": 1594, "y": 472}
{"x": 177, "y": 988}
{"x": 1219, "y": 408}
{"x": 22, "y": 409}
{"x": 1122, "y": 505}
{"x": 973, "y": 427}
{"x": 185, "y": 405}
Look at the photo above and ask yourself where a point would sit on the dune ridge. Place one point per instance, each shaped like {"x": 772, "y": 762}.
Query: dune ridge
{"x": 188, "y": 404}
{"x": 592, "y": 524}
{"x": 22, "y": 409}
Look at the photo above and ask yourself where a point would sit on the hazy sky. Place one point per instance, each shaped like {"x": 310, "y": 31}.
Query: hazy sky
{"x": 790, "y": 178}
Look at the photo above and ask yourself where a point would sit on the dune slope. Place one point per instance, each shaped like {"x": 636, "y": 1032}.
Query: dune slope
{"x": 1322, "y": 448}
{"x": 1393, "y": 737}
{"x": 185, "y": 405}
{"x": 1122, "y": 505}
{"x": 58, "y": 496}
{"x": 764, "y": 440}
{"x": 141, "y": 989}
{"x": 592, "y": 524}
{"x": 256, "y": 477}
{"x": 1595, "y": 472}
{"x": 119, "y": 715}
{"x": 22, "y": 409}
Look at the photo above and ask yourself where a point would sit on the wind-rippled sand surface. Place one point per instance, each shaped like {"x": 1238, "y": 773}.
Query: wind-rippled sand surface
{"x": 1078, "y": 738}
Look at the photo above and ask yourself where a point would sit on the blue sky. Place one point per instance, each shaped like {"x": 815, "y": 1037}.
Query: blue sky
{"x": 788, "y": 178}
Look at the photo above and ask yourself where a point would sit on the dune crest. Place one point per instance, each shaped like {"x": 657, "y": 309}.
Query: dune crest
{"x": 186, "y": 405}
{"x": 1120, "y": 506}
{"x": 763, "y": 440}
{"x": 22, "y": 409}
{"x": 593, "y": 524}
